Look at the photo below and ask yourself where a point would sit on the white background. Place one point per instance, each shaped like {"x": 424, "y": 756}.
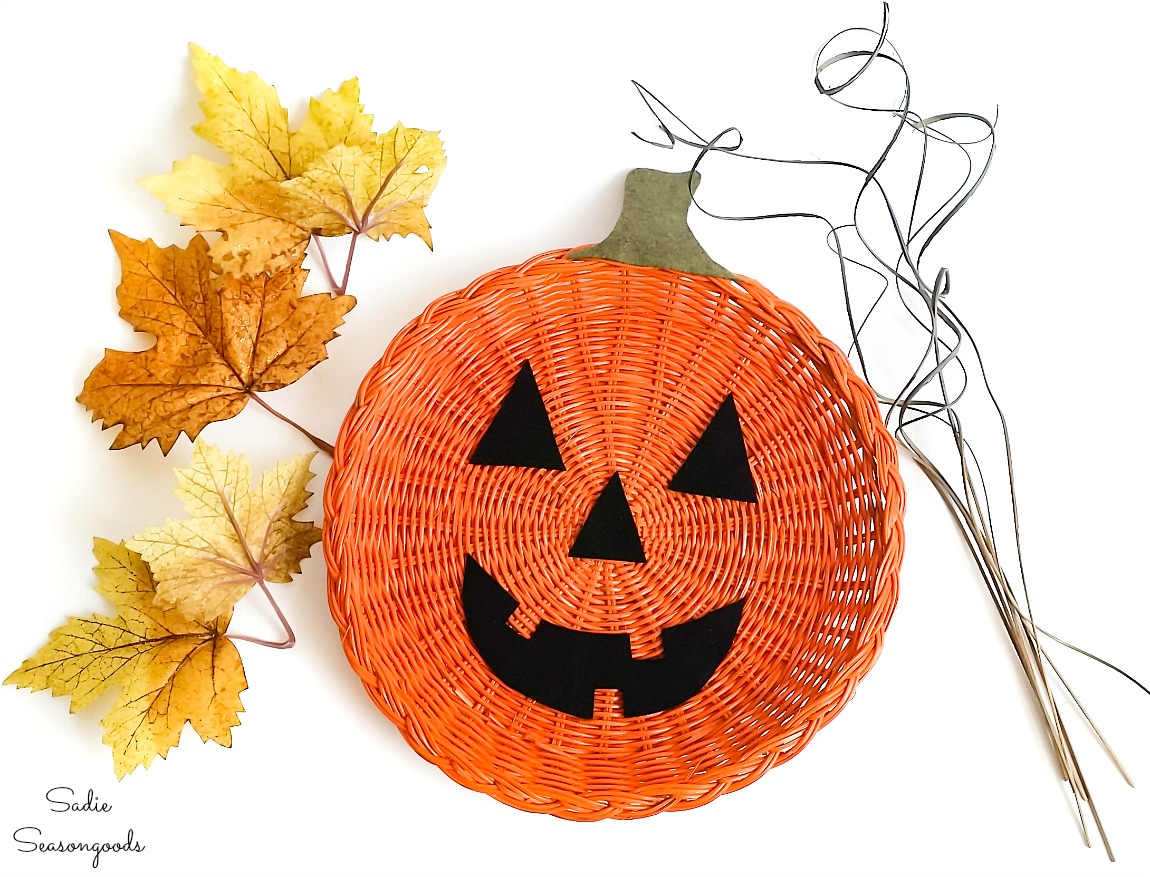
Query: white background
{"x": 938, "y": 766}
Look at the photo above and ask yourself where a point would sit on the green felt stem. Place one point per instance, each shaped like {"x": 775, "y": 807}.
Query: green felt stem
{"x": 652, "y": 228}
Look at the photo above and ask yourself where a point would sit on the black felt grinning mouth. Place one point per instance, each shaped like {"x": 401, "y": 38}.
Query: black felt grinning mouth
{"x": 562, "y": 668}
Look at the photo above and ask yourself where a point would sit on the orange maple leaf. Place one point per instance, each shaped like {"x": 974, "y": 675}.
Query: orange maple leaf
{"x": 219, "y": 340}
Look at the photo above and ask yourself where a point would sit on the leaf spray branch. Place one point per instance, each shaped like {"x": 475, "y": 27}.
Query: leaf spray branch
{"x": 281, "y": 188}
{"x": 230, "y": 323}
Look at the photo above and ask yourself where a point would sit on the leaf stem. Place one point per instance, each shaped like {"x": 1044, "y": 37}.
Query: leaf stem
{"x": 337, "y": 289}
{"x": 326, "y": 447}
{"x": 271, "y": 644}
{"x": 323, "y": 261}
{"x": 347, "y": 265}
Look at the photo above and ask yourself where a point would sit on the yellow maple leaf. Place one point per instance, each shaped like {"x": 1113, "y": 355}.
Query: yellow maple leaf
{"x": 212, "y": 197}
{"x": 170, "y": 670}
{"x": 378, "y": 191}
{"x": 219, "y": 340}
{"x": 266, "y": 221}
{"x": 235, "y": 538}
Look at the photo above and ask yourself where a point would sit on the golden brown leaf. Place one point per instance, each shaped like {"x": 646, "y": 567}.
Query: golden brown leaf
{"x": 170, "y": 670}
{"x": 282, "y": 186}
{"x": 235, "y": 536}
{"x": 218, "y": 340}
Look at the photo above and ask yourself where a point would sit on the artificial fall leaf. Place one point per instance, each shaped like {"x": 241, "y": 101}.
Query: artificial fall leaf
{"x": 170, "y": 670}
{"x": 244, "y": 118}
{"x": 332, "y": 176}
{"x": 218, "y": 340}
{"x": 235, "y": 537}
{"x": 378, "y": 191}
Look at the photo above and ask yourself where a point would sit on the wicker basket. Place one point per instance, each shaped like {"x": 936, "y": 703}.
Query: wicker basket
{"x": 631, "y": 363}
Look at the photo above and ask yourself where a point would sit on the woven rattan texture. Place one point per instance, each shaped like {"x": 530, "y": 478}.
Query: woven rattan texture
{"x": 631, "y": 363}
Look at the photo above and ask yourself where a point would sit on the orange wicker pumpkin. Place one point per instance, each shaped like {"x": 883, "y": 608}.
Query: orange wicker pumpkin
{"x": 790, "y": 586}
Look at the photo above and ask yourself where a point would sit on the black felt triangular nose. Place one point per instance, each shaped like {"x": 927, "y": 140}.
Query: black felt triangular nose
{"x": 609, "y": 533}
{"x": 717, "y": 466}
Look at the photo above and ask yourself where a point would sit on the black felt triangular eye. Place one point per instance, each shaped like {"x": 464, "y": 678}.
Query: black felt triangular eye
{"x": 717, "y": 466}
{"x": 520, "y": 433}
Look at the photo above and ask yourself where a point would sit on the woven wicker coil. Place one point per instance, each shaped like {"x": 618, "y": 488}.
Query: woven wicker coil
{"x": 605, "y": 538}
{"x": 631, "y": 364}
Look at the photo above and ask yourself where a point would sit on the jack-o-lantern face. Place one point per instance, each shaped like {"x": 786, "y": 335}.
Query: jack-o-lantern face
{"x": 608, "y": 540}
{"x": 561, "y": 667}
